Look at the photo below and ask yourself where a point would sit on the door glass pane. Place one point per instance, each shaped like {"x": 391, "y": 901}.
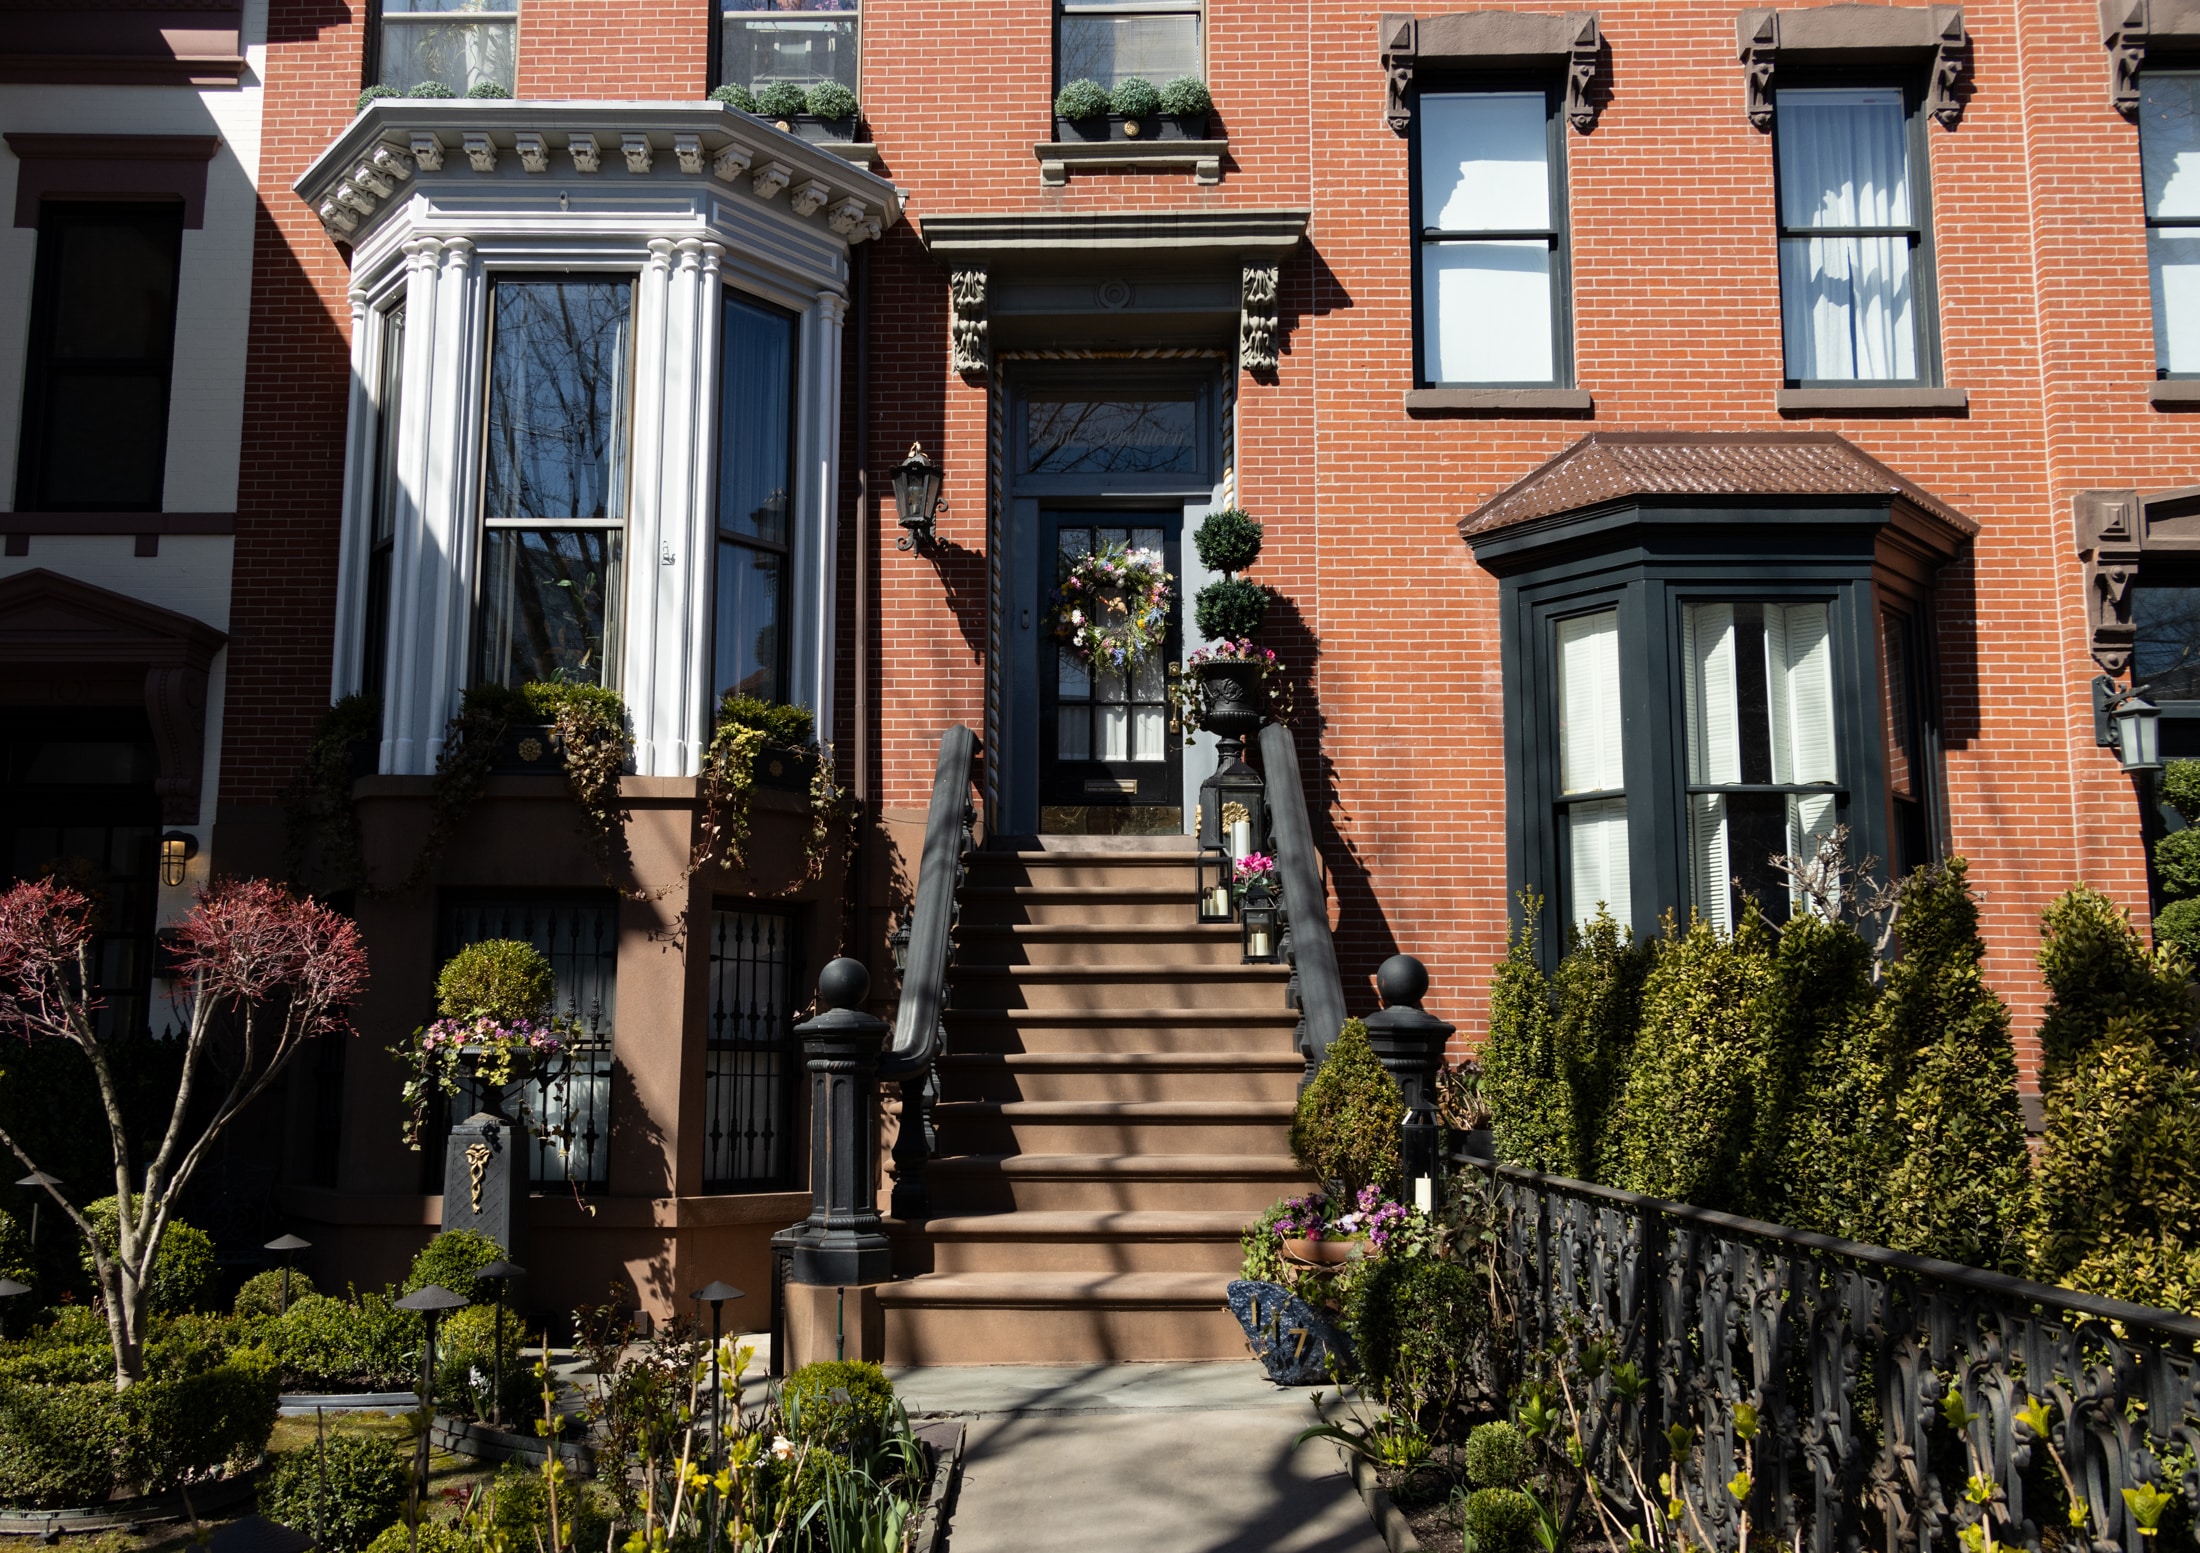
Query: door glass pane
{"x": 1487, "y": 312}
{"x": 1113, "y": 49}
{"x": 2169, "y": 143}
{"x": 557, "y": 400}
{"x": 1114, "y": 730}
{"x": 548, "y": 604}
{"x": 460, "y": 55}
{"x": 2173, "y": 258}
{"x": 1073, "y": 731}
{"x": 1115, "y": 436}
{"x": 1589, "y": 704}
{"x": 2165, "y": 659}
{"x": 1485, "y": 162}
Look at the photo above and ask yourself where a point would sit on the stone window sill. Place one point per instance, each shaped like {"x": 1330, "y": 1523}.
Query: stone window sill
{"x": 1059, "y": 158}
{"x": 1872, "y": 400}
{"x": 864, "y": 153}
{"x": 1499, "y": 401}
{"x": 2174, "y": 393}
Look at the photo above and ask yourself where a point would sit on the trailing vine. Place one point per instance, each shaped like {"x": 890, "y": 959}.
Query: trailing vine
{"x": 321, "y": 818}
{"x": 470, "y": 744}
{"x": 588, "y": 726}
{"x": 729, "y": 776}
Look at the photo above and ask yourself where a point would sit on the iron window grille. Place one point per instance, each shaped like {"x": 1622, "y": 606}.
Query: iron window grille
{"x": 2169, "y": 149}
{"x": 749, "y": 1054}
{"x": 579, "y": 934}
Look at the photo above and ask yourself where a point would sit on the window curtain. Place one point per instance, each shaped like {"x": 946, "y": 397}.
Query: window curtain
{"x": 2169, "y": 150}
{"x": 1589, "y": 761}
{"x": 1485, "y": 167}
{"x": 1846, "y": 299}
{"x": 1758, "y": 684}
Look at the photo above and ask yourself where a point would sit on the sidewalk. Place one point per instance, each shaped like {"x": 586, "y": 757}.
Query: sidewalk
{"x": 1163, "y": 1458}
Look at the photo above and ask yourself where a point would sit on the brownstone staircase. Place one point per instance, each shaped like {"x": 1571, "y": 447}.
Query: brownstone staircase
{"x": 1116, "y": 1094}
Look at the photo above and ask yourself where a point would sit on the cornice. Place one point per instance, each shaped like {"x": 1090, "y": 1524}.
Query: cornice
{"x": 1155, "y": 233}
{"x": 560, "y": 145}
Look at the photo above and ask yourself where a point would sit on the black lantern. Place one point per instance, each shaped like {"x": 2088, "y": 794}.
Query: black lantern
{"x": 2128, "y": 723}
{"x": 897, "y": 944}
{"x": 1241, "y": 807}
{"x": 1260, "y": 921}
{"x": 1213, "y": 868}
{"x": 917, "y": 494}
{"x": 177, "y": 847}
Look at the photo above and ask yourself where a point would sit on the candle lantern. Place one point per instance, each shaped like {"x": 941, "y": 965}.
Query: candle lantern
{"x": 1260, "y": 922}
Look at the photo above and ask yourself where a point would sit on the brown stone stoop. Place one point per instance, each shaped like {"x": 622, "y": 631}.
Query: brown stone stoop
{"x": 1116, "y": 1101}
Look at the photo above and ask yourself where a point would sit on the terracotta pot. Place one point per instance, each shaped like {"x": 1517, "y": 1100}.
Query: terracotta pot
{"x": 1321, "y": 1253}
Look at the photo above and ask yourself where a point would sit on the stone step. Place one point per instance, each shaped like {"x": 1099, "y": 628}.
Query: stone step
{"x": 1085, "y": 869}
{"x": 990, "y": 904}
{"x": 1150, "y": 1242}
{"x": 1041, "y": 1127}
{"x": 1247, "y": 987}
{"x": 1058, "y": 1318}
{"x": 1153, "y": 947}
{"x": 1123, "y": 1030}
{"x": 1089, "y": 1075}
{"x": 963, "y": 1184}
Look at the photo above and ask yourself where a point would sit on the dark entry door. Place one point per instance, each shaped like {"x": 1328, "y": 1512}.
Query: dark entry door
{"x": 1109, "y": 747}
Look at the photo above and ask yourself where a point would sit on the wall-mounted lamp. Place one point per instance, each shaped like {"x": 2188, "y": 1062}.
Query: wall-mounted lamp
{"x": 897, "y": 943}
{"x": 917, "y": 494}
{"x": 177, "y": 847}
{"x": 2125, "y": 721}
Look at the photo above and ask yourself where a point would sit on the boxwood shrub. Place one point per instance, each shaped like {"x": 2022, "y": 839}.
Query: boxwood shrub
{"x": 451, "y": 1261}
{"x": 826, "y": 1420}
{"x": 1135, "y": 98}
{"x": 262, "y": 1293}
{"x": 1345, "y": 1132}
{"x": 781, "y": 100}
{"x": 1186, "y": 95}
{"x": 361, "y": 1344}
{"x": 183, "y": 1267}
{"x": 343, "y": 1491}
{"x": 1081, "y": 100}
{"x": 735, "y": 97}
{"x": 830, "y": 100}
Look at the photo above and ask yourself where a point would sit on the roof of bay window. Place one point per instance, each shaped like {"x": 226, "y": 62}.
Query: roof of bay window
{"x": 1614, "y": 467}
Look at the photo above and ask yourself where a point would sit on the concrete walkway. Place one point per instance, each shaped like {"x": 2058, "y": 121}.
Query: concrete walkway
{"x": 1161, "y": 1458}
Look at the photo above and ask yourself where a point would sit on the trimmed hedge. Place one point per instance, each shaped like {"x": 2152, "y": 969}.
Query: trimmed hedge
{"x": 183, "y": 1267}
{"x": 1345, "y": 1131}
{"x": 342, "y": 1492}
{"x": 824, "y": 1419}
{"x": 67, "y": 1445}
{"x": 362, "y": 1344}
{"x": 505, "y": 979}
{"x": 451, "y": 1260}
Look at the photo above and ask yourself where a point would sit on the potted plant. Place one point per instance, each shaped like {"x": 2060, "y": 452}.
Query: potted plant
{"x": 786, "y": 746}
{"x": 825, "y": 113}
{"x": 1233, "y": 686}
{"x": 494, "y": 1027}
{"x": 1136, "y": 110}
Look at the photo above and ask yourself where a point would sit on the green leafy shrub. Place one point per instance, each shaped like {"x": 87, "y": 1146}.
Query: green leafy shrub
{"x": 824, "y": 1419}
{"x": 451, "y": 1261}
{"x": 183, "y": 1267}
{"x": 2177, "y": 926}
{"x": 2177, "y": 863}
{"x": 1831, "y": 1140}
{"x": 2099, "y": 975}
{"x": 830, "y": 100}
{"x": 488, "y": 90}
{"x": 1135, "y": 98}
{"x": 434, "y": 1537}
{"x": 364, "y": 1344}
{"x": 431, "y": 89}
{"x": 518, "y": 1507}
{"x": 1081, "y": 100}
{"x": 1699, "y": 1064}
{"x": 1523, "y": 1079}
{"x": 1345, "y": 1131}
{"x": 2181, "y": 788}
{"x": 735, "y": 97}
{"x": 1263, "y": 1246}
{"x": 1598, "y": 994}
{"x": 466, "y": 1361}
{"x": 262, "y": 1293}
{"x": 342, "y": 1491}
{"x": 1500, "y": 1520}
{"x": 1230, "y": 609}
{"x": 1419, "y": 1326}
{"x": 182, "y": 1426}
{"x": 1187, "y": 95}
{"x": 376, "y": 94}
{"x": 1498, "y": 1456}
{"x": 1228, "y": 541}
{"x": 58, "y": 1443}
{"x": 503, "y": 979}
{"x": 781, "y": 100}
{"x": 790, "y": 727}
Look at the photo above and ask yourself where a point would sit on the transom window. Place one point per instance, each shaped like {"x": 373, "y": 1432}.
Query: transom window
{"x": 1110, "y": 436}
{"x": 1490, "y": 190}
{"x": 803, "y": 42}
{"x": 460, "y": 44}
{"x": 1855, "y": 284}
{"x": 554, "y": 488}
{"x": 2169, "y": 150}
{"x": 1113, "y": 41}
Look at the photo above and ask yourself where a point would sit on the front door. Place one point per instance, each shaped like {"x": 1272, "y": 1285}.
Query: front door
{"x": 1111, "y": 756}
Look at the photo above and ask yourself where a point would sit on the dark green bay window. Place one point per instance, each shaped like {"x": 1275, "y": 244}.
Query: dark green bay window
{"x": 1699, "y": 684}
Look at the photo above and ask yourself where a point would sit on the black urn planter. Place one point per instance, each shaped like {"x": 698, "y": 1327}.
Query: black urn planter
{"x": 1234, "y": 703}
{"x": 1150, "y": 126}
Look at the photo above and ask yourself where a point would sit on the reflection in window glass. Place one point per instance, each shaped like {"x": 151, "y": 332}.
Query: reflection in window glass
{"x": 755, "y": 467}
{"x": 1113, "y": 436}
{"x": 549, "y": 604}
{"x": 2169, "y": 148}
{"x": 557, "y": 400}
{"x": 1589, "y": 761}
{"x": 1848, "y": 306}
{"x": 1112, "y": 42}
{"x": 2165, "y": 658}
{"x": 460, "y": 43}
{"x": 800, "y": 41}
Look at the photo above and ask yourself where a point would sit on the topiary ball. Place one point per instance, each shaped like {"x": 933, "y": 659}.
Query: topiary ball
{"x": 1346, "y": 1129}
{"x": 830, "y": 100}
{"x": 1135, "y": 98}
{"x": 2177, "y": 926}
{"x": 2181, "y": 788}
{"x": 1228, "y": 541}
{"x": 262, "y": 1293}
{"x": 1497, "y": 1457}
{"x": 376, "y": 94}
{"x": 1186, "y": 96}
{"x": 859, "y": 1411}
{"x": 1500, "y": 1520}
{"x": 183, "y": 1267}
{"x": 502, "y": 979}
{"x": 2177, "y": 863}
{"x": 431, "y": 89}
{"x": 781, "y": 100}
{"x": 1081, "y": 100}
{"x": 735, "y": 97}
{"x": 451, "y": 1260}
{"x": 490, "y": 90}
{"x": 1230, "y": 610}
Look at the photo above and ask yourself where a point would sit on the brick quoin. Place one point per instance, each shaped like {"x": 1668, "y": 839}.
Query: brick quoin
{"x": 2044, "y": 317}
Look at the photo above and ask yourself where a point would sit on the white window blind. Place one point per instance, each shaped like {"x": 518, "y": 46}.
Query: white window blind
{"x": 1590, "y": 761}
{"x": 1486, "y": 302}
{"x": 1846, "y": 233}
{"x": 2169, "y": 150}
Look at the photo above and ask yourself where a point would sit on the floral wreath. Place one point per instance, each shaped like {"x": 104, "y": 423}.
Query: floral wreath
{"x": 1111, "y": 606}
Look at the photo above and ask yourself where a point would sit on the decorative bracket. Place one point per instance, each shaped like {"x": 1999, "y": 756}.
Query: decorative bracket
{"x": 1835, "y": 34}
{"x": 1259, "y": 284}
{"x": 1458, "y": 40}
{"x": 2109, "y": 545}
{"x": 970, "y": 347}
{"x": 2130, "y": 28}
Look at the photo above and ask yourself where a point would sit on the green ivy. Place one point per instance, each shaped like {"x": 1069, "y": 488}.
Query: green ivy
{"x": 789, "y": 727}
{"x": 1345, "y": 1132}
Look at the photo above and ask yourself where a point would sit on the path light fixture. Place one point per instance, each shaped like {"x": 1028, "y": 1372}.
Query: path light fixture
{"x": 917, "y": 494}
{"x": 501, "y": 1274}
{"x": 715, "y": 1294}
{"x": 430, "y": 1300}
{"x": 177, "y": 848}
{"x": 1260, "y": 922}
{"x": 39, "y": 1182}
{"x": 284, "y": 1248}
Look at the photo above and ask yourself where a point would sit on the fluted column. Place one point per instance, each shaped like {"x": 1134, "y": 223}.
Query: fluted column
{"x": 698, "y": 576}
{"x": 817, "y": 505}
{"x": 404, "y": 721}
{"x": 355, "y": 529}
{"x": 451, "y": 541}
{"x": 655, "y": 411}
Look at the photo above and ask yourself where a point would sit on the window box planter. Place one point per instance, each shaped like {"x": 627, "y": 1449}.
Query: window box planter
{"x": 817, "y": 131}
{"x": 1154, "y": 126}
{"x": 788, "y": 770}
{"x": 527, "y": 751}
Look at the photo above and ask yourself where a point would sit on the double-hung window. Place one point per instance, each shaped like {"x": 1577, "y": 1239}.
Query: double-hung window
{"x": 554, "y": 489}
{"x": 1490, "y": 197}
{"x": 1113, "y": 41}
{"x": 1855, "y": 251}
{"x": 755, "y": 505}
{"x": 803, "y": 42}
{"x": 1591, "y": 776}
{"x": 2169, "y": 151}
{"x": 460, "y": 44}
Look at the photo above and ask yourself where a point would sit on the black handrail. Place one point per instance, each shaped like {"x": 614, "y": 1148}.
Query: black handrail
{"x": 1315, "y": 985}
{"x": 947, "y": 840}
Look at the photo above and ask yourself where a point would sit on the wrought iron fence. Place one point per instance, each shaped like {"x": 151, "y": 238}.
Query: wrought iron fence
{"x": 1848, "y": 1354}
{"x": 579, "y": 933}
{"x": 749, "y": 1051}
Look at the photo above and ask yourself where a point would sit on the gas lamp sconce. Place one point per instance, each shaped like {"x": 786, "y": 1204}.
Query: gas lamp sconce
{"x": 177, "y": 848}
{"x": 917, "y": 495}
{"x": 2125, "y": 721}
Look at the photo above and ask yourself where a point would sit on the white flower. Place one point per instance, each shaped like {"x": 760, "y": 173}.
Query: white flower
{"x": 782, "y": 1447}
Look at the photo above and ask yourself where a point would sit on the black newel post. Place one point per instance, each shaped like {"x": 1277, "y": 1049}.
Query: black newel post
{"x": 841, "y": 1242}
{"x": 1410, "y": 1044}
